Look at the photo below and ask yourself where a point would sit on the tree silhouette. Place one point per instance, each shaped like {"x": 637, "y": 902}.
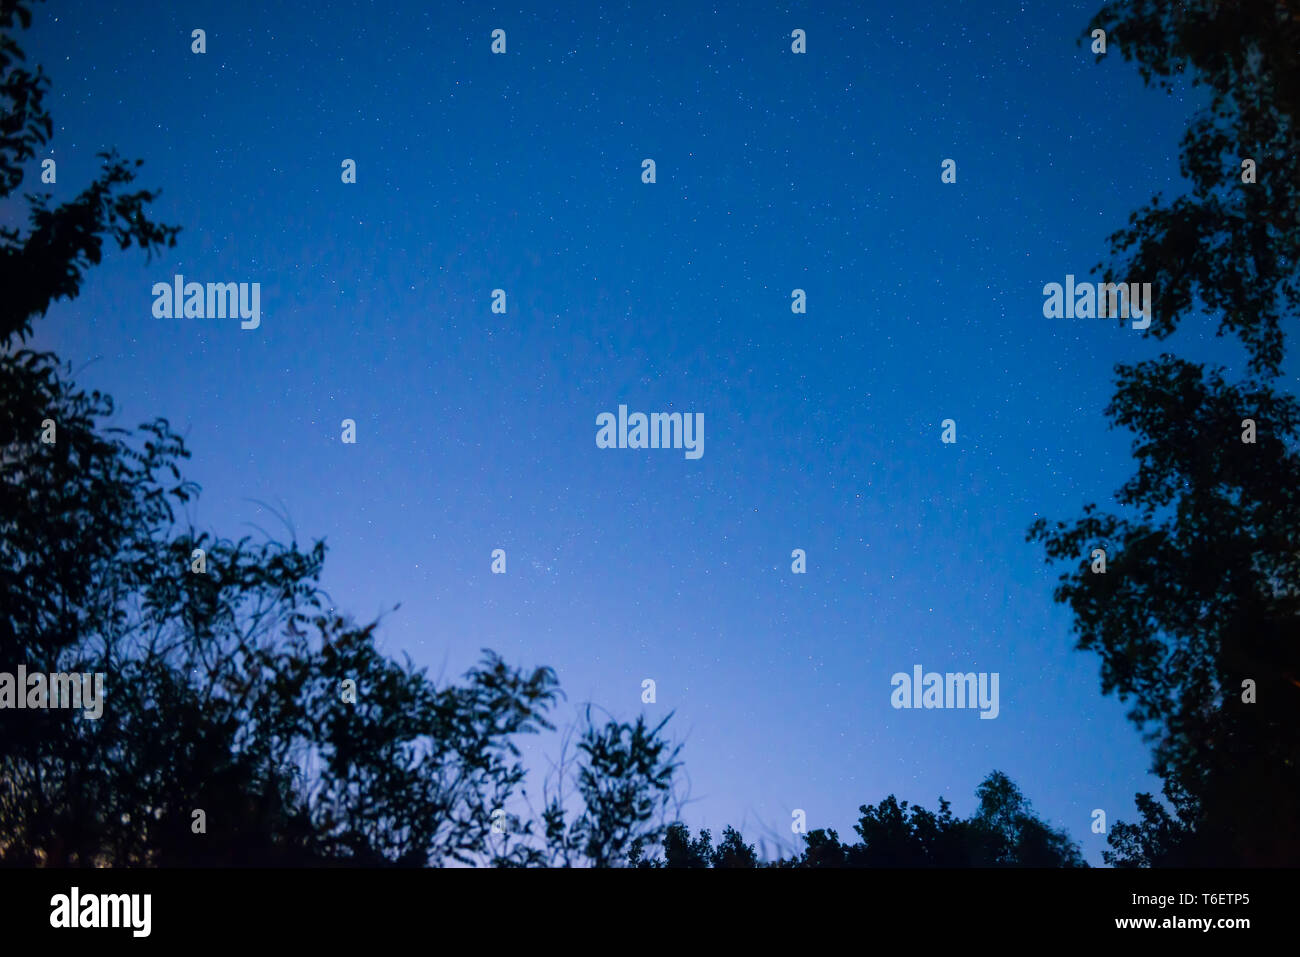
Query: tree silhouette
{"x": 1226, "y": 247}
{"x": 1200, "y": 597}
{"x": 732, "y": 851}
{"x": 1161, "y": 839}
{"x": 624, "y": 782}
{"x": 246, "y": 721}
{"x": 1004, "y": 831}
{"x": 1196, "y": 617}
{"x": 49, "y": 263}
{"x": 681, "y": 851}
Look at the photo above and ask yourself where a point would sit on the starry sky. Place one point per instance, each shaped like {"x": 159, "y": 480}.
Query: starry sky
{"x": 476, "y": 431}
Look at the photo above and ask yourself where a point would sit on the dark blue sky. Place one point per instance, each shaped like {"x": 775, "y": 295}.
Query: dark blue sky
{"x": 475, "y": 431}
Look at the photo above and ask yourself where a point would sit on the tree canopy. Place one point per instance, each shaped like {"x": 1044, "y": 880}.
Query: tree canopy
{"x": 1003, "y": 831}
{"x": 1194, "y": 609}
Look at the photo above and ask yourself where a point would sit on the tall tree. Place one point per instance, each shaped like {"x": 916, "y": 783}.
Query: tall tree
{"x": 1227, "y": 247}
{"x": 1191, "y": 594}
{"x": 1196, "y": 616}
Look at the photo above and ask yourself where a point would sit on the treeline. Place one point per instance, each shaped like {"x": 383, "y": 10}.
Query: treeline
{"x": 1003, "y": 832}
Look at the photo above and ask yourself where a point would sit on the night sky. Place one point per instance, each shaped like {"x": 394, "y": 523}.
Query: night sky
{"x": 476, "y": 430}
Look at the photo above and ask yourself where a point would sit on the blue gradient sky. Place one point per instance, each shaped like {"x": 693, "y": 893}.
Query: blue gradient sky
{"x": 822, "y": 431}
